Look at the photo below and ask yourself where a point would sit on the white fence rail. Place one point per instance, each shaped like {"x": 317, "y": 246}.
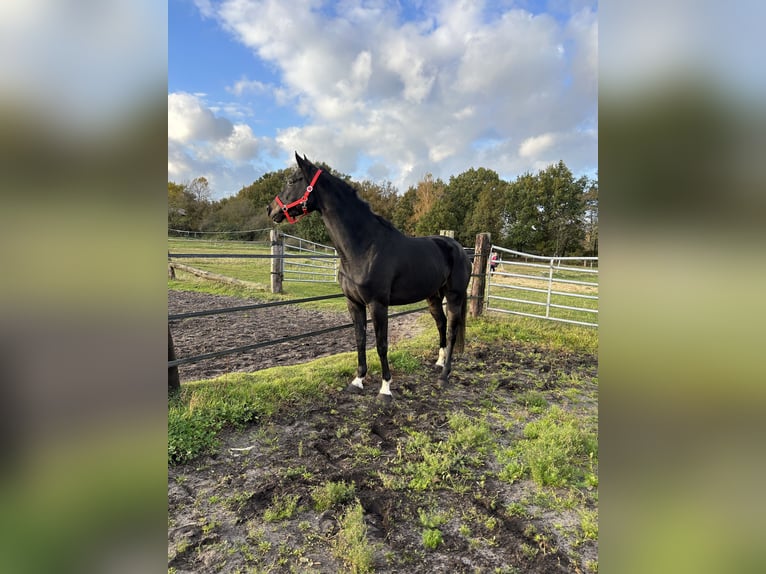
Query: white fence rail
{"x": 309, "y": 269}
{"x": 563, "y": 289}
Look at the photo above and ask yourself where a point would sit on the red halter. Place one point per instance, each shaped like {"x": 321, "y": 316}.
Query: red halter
{"x": 302, "y": 201}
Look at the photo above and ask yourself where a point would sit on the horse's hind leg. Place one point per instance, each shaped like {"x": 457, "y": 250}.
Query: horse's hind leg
{"x": 455, "y": 320}
{"x": 437, "y": 312}
{"x": 359, "y": 317}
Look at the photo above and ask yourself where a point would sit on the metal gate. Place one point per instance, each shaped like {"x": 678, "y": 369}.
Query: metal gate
{"x": 563, "y": 289}
{"x": 322, "y": 269}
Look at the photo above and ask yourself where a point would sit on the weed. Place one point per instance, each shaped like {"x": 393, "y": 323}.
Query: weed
{"x": 331, "y": 494}
{"x": 430, "y": 463}
{"x": 304, "y": 526}
{"x": 282, "y": 508}
{"x": 208, "y": 527}
{"x": 553, "y": 453}
{"x": 236, "y": 501}
{"x": 429, "y": 520}
{"x": 528, "y": 550}
{"x": 432, "y": 538}
{"x": 517, "y": 509}
{"x": 296, "y": 471}
{"x": 534, "y": 401}
{"x": 589, "y": 524}
{"x": 350, "y": 545}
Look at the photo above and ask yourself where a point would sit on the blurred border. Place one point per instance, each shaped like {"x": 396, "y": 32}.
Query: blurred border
{"x": 682, "y": 148}
{"x": 83, "y": 157}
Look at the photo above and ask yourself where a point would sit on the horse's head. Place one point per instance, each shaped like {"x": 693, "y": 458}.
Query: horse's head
{"x": 296, "y": 199}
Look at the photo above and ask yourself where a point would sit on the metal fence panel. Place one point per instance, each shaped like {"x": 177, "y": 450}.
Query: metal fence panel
{"x": 308, "y": 261}
{"x": 574, "y": 299}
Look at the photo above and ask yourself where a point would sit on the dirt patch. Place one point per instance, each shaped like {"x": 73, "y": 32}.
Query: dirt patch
{"x": 199, "y": 335}
{"x": 219, "y": 506}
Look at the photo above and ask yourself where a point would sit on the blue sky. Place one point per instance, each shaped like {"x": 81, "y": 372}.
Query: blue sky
{"x": 381, "y": 90}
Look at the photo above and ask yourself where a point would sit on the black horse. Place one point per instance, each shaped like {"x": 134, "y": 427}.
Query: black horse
{"x": 379, "y": 266}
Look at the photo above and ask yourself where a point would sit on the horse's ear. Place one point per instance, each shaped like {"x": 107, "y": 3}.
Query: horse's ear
{"x": 304, "y": 165}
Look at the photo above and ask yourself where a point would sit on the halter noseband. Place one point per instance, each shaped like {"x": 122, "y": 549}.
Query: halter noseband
{"x": 303, "y": 201}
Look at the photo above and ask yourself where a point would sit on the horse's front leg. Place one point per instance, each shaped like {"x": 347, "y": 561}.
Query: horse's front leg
{"x": 358, "y": 314}
{"x": 380, "y": 323}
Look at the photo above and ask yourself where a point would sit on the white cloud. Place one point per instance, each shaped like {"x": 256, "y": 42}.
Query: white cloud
{"x": 189, "y": 120}
{"x": 536, "y": 145}
{"x": 202, "y": 143}
{"x": 453, "y": 90}
{"x": 245, "y": 86}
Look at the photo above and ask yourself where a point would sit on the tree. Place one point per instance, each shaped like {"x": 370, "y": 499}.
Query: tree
{"x": 487, "y": 213}
{"x": 564, "y": 208}
{"x": 403, "y": 216}
{"x": 456, "y": 207}
{"x": 185, "y": 210}
{"x": 544, "y": 213}
{"x": 591, "y": 219}
{"x": 521, "y": 225}
{"x": 426, "y": 217}
{"x": 382, "y": 198}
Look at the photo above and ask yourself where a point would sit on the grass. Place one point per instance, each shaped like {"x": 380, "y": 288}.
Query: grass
{"x": 350, "y": 545}
{"x": 282, "y": 508}
{"x": 437, "y": 462}
{"x": 556, "y": 451}
{"x": 331, "y": 494}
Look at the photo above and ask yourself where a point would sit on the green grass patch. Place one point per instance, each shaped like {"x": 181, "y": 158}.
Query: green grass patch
{"x": 432, "y": 538}
{"x": 432, "y": 462}
{"x": 546, "y": 334}
{"x": 534, "y": 401}
{"x": 202, "y": 409}
{"x": 282, "y": 508}
{"x": 331, "y": 494}
{"x": 555, "y": 451}
{"x": 350, "y": 545}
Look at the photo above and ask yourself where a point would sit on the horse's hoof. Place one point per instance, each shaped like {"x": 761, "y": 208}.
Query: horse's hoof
{"x": 353, "y": 389}
{"x": 442, "y": 382}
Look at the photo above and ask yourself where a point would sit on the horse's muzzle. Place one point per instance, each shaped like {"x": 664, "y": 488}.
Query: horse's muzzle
{"x": 275, "y": 212}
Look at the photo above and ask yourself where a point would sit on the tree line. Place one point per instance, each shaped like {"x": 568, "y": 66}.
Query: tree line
{"x": 550, "y": 212}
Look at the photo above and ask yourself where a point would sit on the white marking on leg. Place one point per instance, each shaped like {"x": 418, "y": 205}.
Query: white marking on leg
{"x": 358, "y": 382}
{"x": 442, "y": 356}
{"x": 385, "y": 387}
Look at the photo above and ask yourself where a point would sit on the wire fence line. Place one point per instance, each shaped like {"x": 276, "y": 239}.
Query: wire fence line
{"x": 223, "y": 310}
{"x": 244, "y": 348}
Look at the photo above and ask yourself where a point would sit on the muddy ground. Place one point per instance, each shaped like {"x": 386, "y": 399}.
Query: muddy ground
{"x": 218, "y": 505}
{"x": 199, "y": 335}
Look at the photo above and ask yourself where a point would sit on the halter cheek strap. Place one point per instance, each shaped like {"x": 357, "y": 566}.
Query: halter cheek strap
{"x": 302, "y": 201}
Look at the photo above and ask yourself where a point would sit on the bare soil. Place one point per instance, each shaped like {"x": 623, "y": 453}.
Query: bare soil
{"x": 199, "y": 335}
{"x": 216, "y": 505}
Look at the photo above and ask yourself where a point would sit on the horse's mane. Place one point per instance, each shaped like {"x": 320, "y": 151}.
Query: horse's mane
{"x": 344, "y": 187}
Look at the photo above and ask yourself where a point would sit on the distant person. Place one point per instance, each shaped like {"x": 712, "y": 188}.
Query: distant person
{"x": 493, "y": 262}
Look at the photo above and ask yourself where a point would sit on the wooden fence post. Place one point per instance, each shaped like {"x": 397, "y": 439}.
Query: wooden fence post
{"x": 479, "y": 273}
{"x": 174, "y": 381}
{"x": 277, "y": 261}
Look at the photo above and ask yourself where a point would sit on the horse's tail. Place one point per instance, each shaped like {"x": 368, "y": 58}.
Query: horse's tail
{"x": 460, "y": 327}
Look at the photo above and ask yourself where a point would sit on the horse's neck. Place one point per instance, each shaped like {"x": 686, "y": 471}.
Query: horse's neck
{"x": 350, "y": 223}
